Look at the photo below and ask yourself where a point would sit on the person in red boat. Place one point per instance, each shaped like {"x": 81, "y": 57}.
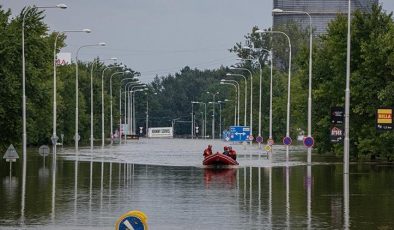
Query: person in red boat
{"x": 225, "y": 150}
{"x": 232, "y": 153}
{"x": 208, "y": 151}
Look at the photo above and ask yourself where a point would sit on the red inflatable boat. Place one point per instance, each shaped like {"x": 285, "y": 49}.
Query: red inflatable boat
{"x": 219, "y": 159}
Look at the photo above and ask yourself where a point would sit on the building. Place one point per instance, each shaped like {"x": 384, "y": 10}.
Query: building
{"x": 321, "y": 11}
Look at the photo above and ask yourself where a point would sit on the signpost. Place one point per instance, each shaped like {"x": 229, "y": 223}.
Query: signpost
{"x": 270, "y": 142}
{"x": 309, "y": 142}
{"x": 287, "y": 140}
{"x": 11, "y": 156}
{"x": 239, "y": 133}
{"x": 337, "y": 131}
{"x": 44, "y": 151}
{"x": 133, "y": 220}
{"x": 337, "y": 115}
{"x": 384, "y": 119}
{"x": 336, "y": 134}
{"x": 259, "y": 139}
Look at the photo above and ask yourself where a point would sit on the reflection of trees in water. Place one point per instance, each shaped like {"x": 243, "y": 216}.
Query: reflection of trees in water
{"x": 220, "y": 177}
{"x": 10, "y": 186}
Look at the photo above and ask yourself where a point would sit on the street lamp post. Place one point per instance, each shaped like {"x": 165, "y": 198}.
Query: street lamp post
{"x": 288, "y": 86}
{"x": 251, "y": 97}
{"x": 213, "y": 113}
{"x": 110, "y": 89}
{"x": 236, "y": 85}
{"x": 24, "y": 134}
{"x": 91, "y": 101}
{"x": 347, "y": 96}
{"x": 54, "y": 135}
{"x": 235, "y": 111}
{"x": 309, "y": 160}
{"x": 133, "y": 99}
{"x": 205, "y": 116}
{"x": 127, "y": 117}
{"x": 76, "y": 137}
{"x": 192, "y": 131}
{"x": 125, "y": 107}
{"x": 236, "y": 104}
{"x": 132, "y": 106}
{"x": 102, "y": 101}
{"x": 220, "y": 118}
{"x": 246, "y": 92}
{"x": 270, "y": 109}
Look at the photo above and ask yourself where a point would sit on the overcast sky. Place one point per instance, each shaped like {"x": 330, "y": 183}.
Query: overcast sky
{"x": 158, "y": 36}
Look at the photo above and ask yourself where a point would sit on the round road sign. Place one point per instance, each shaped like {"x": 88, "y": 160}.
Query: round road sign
{"x": 287, "y": 140}
{"x": 44, "y": 150}
{"x": 259, "y": 139}
{"x": 309, "y": 142}
{"x": 132, "y": 220}
{"x": 270, "y": 142}
{"x": 251, "y": 138}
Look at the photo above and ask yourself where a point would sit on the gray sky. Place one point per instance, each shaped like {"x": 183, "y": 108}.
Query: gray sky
{"x": 158, "y": 36}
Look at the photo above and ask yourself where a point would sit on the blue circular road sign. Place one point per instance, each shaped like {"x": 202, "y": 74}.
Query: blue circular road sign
{"x": 287, "y": 140}
{"x": 309, "y": 142}
{"x": 259, "y": 139}
{"x": 136, "y": 220}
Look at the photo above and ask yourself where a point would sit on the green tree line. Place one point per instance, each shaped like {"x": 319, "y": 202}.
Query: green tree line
{"x": 371, "y": 83}
{"x": 39, "y": 45}
{"x": 169, "y": 97}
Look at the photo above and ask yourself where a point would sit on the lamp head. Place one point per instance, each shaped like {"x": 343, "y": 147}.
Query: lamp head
{"x": 102, "y": 44}
{"x": 229, "y": 74}
{"x": 260, "y": 31}
{"x": 86, "y": 31}
{"x": 62, "y": 6}
{"x": 246, "y": 48}
{"x": 113, "y": 58}
{"x": 127, "y": 71}
{"x": 277, "y": 11}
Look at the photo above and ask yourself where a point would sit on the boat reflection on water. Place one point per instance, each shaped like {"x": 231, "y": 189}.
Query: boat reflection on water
{"x": 220, "y": 177}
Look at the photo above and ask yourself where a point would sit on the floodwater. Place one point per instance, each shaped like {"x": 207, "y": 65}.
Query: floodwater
{"x": 165, "y": 179}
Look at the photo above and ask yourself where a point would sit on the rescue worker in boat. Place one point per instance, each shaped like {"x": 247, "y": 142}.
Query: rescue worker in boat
{"x": 225, "y": 151}
{"x": 208, "y": 151}
{"x": 232, "y": 153}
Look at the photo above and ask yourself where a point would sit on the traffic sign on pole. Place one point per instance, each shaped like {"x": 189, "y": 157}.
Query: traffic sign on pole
{"x": 309, "y": 142}
{"x": 132, "y": 220}
{"x": 287, "y": 140}
{"x": 270, "y": 142}
{"x": 267, "y": 148}
{"x": 11, "y": 154}
{"x": 259, "y": 139}
{"x": 44, "y": 150}
{"x": 239, "y": 133}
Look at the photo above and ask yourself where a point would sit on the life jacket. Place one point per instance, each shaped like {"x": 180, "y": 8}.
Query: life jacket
{"x": 233, "y": 154}
{"x": 207, "y": 152}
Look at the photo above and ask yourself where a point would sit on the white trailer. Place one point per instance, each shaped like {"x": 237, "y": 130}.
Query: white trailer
{"x": 165, "y": 132}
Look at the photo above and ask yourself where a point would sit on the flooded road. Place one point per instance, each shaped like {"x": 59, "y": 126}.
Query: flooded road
{"x": 165, "y": 179}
